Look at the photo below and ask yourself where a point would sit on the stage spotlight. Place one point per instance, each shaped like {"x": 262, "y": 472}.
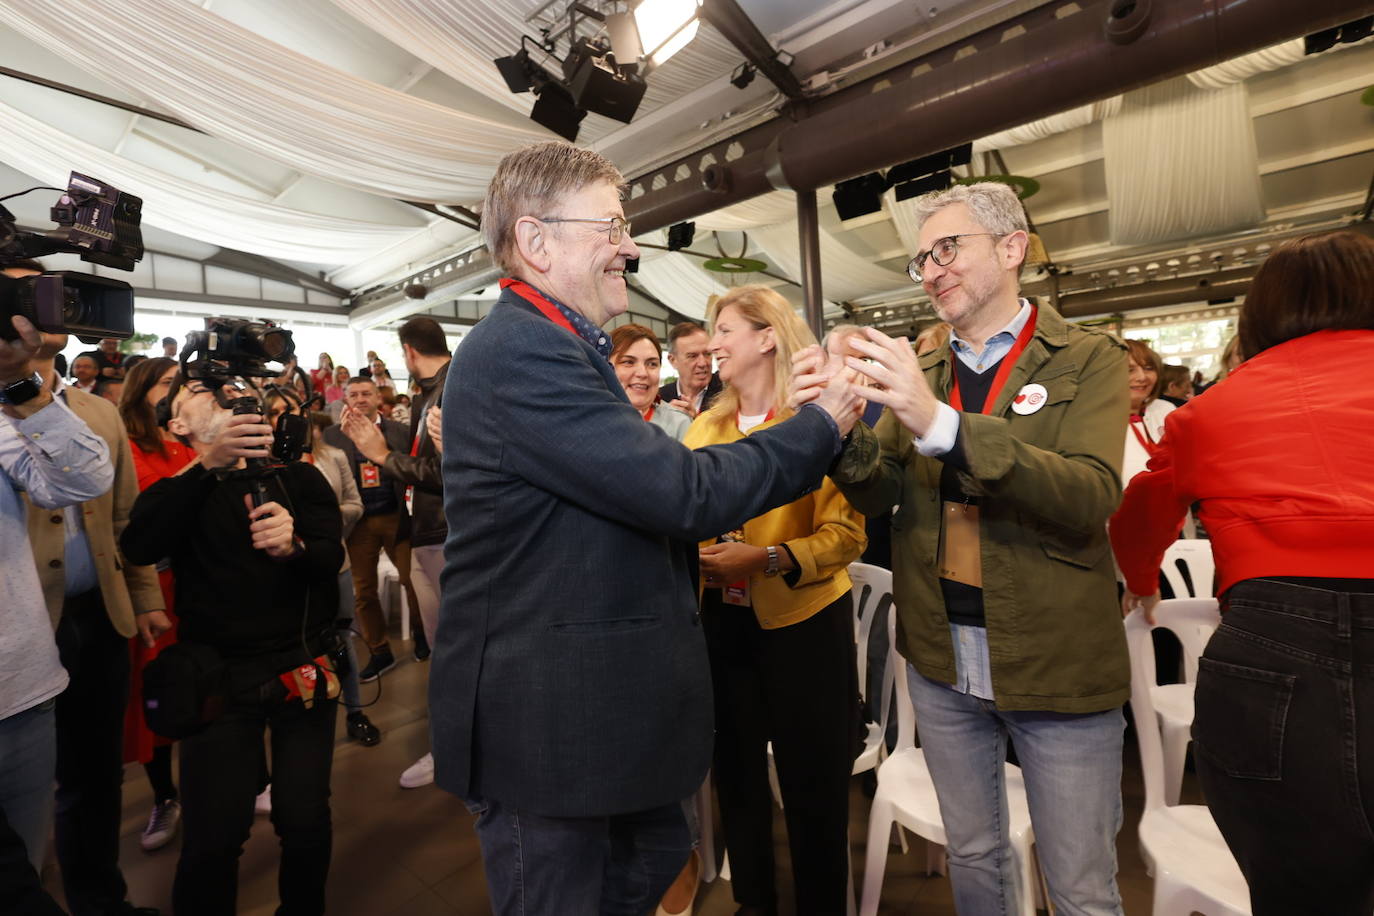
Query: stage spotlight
{"x": 859, "y": 196}
{"x": 515, "y": 70}
{"x": 743, "y": 75}
{"x": 923, "y": 185}
{"x": 598, "y": 83}
{"x": 665, "y": 27}
{"x": 555, "y": 109}
{"x": 680, "y": 235}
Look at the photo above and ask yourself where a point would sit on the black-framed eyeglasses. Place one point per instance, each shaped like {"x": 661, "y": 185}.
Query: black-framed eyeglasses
{"x": 943, "y": 252}
{"x": 617, "y": 227}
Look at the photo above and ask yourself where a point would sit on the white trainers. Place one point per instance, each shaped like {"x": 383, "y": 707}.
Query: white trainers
{"x": 162, "y": 825}
{"x": 420, "y": 773}
{"x": 263, "y": 804}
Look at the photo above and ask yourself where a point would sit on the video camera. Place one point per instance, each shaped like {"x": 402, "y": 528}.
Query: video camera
{"x": 231, "y": 350}
{"x": 101, "y": 224}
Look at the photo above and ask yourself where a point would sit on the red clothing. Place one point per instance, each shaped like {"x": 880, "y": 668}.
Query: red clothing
{"x": 320, "y": 379}
{"x": 139, "y": 741}
{"x": 1278, "y": 456}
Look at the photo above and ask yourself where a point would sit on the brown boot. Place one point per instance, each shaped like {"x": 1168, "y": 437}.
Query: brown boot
{"x": 683, "y": 891}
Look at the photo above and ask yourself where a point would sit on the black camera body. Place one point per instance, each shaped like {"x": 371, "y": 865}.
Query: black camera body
{"x": 99, "y": 223}
{"x": 230, "y": 349}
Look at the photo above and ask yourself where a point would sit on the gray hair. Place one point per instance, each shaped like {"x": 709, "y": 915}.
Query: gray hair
{"x": 531, "y": 181}
{"x": 994, "y": 205}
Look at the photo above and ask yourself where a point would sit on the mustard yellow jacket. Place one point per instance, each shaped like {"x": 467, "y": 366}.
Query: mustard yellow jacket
{"x": 824, "y": 533}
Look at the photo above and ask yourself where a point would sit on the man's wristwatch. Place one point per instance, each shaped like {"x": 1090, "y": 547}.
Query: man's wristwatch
{"x": 773, "y": 568}
{"x": 26, "y": 389}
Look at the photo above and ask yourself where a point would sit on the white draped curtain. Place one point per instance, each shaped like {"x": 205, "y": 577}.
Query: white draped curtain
{"x": 845, "y": 275}
{"x": 177, "y": 205}
{"x": 238, "y": 86}
{"x": 678, "y": 280}
{"x": 1181, "y": 161}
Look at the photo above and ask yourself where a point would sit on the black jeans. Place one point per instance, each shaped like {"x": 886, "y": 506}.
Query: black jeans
{"x": 221, "y": 773}
{"x": 798, "y": 687}
{"x": 1284, "y": 739}
{"x": 90, "y": 765}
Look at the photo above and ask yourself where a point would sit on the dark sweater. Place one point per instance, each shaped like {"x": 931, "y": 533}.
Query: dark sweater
{"x": 228, "y": 594}
{"x": 964, "y": 603}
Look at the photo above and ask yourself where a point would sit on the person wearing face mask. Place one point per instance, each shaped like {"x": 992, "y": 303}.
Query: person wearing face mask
{"x": 637, "y": 358}
{"x": 256, "y": 559}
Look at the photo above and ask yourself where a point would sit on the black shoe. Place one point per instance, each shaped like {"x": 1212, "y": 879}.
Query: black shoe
{"x": 421, "y": 646}
{"x": 361, "y": 729}
{"x": 379, "y": 664}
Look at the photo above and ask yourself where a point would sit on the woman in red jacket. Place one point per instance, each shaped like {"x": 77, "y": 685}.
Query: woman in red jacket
{"x": 1278, "y": 456}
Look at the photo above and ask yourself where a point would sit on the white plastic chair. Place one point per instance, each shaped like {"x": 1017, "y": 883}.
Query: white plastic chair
{"x": 1193, "y": 619}
{"x": 1181, "y": 845}
{"x": 390, "y": 593}
{"x": 906, "y": 796}
{"x": 872, "y": 588}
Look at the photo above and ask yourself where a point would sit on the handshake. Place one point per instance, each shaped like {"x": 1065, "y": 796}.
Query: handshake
{"x": 863, "y": 367}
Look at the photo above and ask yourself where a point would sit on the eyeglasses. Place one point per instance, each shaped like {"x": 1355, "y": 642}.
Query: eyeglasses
{"x": 943, "y": 252}
{"x": 619, "y": 225}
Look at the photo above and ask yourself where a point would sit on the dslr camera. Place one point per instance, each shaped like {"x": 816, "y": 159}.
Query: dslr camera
{"x": 99, "y": 223}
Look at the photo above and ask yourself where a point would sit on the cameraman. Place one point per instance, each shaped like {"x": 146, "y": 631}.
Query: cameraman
{"x": 54, "y": 457}
{"x": 258, "y": 586}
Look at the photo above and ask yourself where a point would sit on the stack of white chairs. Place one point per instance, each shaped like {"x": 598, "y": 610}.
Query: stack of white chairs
{"x": 906, "y": 797}
{"x": 1192, "y": 868}
{"x": 1193, "y": 617}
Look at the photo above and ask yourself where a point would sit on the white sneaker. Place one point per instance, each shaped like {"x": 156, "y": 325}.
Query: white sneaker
{"x": 263, "y": 805}
{"x": 420, "y": 773}
{"x": 162, "y": 825}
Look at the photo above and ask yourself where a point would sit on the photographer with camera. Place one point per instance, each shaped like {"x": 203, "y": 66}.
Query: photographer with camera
{"x": 50, "y": 454}
{"x": 256, "y": 549}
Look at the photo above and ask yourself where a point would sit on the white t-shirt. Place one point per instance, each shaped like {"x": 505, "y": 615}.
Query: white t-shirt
{"x": 1137, "y": 456}
{"x": 747, "y": 423}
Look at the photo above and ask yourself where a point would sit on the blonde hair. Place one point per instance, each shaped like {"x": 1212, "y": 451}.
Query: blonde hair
{"x": 531, "y": 182}
{"x": 763, "y": 308}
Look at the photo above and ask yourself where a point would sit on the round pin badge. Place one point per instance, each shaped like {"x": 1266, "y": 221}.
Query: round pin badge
{"x": 1029, "y": 399}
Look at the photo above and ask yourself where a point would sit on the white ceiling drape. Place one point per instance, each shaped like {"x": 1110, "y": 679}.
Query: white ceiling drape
{"x": 1181, "y": 161}
{"x": 181, "y": 206}
{"x": 844, "y": 274}
{"x": 677, "y": 280}
{"x": 238, "y": 86}
{"x": 765, "y": 210}
{"x": 462, "y": 37}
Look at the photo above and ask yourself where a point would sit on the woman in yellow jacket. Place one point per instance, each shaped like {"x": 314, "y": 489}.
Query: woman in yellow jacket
{"x": 777, "y": 615}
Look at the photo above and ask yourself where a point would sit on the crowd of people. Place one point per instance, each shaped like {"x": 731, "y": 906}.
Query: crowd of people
{"x": 626, "y": 584}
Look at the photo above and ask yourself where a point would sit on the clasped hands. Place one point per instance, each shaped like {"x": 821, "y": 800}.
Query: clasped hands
{"x": 874, "y": 367}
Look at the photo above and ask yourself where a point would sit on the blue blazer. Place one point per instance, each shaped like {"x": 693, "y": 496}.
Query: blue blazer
{"x": 569, "y": 675}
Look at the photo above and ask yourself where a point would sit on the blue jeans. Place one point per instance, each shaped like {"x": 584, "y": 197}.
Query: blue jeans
{"x": 28, "y": 767}
{"x": 1072, "y": 769}
{"x": 619, "y": 865}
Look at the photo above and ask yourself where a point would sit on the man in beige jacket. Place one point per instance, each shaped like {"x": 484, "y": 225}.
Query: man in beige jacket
{"x": 97, "y": 603}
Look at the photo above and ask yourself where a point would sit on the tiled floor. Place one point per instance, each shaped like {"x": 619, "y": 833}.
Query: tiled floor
{"x": 413, "y": 852}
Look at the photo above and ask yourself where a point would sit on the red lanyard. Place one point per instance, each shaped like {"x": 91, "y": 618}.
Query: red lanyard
{"x": 1146, "y": 441}
{"x": 650, "y": 415}
{"x": 1003, "y": 371}
{"x": 532, "y": 296}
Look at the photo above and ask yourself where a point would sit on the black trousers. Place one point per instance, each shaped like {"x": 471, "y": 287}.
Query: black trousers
{"x": 221, "y": 773}
{"x": 90, "y": 766}
{"x": 20, "y": 888}
{"x": 1284, "y": 739}
{"x": 796, "y": 686}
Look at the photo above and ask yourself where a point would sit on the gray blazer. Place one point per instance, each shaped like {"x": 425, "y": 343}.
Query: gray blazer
{"x": 333, "y": 464}
{"x": 569, "y": 675}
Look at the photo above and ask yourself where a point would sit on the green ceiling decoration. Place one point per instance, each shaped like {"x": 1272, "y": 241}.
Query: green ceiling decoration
{"x": 1023, "y": 186}
{"x": 735, "y": 265}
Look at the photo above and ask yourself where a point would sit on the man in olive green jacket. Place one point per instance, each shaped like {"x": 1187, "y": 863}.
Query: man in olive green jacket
{"x": 1002, "y": 455}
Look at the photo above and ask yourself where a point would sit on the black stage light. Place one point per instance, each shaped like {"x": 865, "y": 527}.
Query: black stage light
{"x": 632, "y": 265}
{"x": 554, "y": 108}
{"x": 515, "y": 70}
{"x": 743, "y": 75}
{"x": 598, "y": 84}
{"x": 923, "y": 185}
{"x": 680, "y": 235}
{"x": 859, "y": 196}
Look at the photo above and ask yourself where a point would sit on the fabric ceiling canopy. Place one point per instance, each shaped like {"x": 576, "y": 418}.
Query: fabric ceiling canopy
{"x": 178, "y": 205}
{"x": 238, "y": 86}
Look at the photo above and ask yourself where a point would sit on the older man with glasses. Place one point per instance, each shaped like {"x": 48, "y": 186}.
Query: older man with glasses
{"x": 1002, "y": 451}
{"x": 570, "y": 696}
